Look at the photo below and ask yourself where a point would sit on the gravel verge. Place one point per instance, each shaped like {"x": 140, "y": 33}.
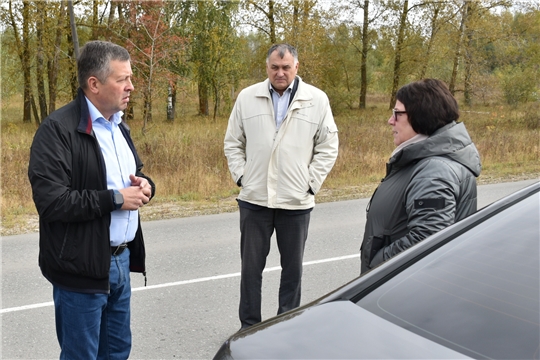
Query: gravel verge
{"x": 161, "y": 211}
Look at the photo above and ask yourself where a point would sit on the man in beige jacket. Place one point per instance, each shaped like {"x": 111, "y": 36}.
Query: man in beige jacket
{"x": 281, "y": 143}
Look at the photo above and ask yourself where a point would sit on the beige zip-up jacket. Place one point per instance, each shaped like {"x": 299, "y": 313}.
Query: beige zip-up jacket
{"x": 278, "y": 167}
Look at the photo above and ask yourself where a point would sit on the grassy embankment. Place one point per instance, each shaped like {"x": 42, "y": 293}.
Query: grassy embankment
{"x": 186, "y": 159}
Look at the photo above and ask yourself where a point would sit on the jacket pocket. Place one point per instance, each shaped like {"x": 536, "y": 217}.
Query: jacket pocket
{"x": 84, "y": 250}
{"x": 372, "y": 245}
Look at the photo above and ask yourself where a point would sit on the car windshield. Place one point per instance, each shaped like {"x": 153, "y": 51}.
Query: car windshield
{"x": 478, "y": 294}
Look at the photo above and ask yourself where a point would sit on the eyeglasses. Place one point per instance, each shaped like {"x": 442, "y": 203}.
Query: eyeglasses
{"x": 396, "y": 112}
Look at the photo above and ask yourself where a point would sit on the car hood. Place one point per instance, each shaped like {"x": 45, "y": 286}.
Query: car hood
{"x": 334, "y": 330}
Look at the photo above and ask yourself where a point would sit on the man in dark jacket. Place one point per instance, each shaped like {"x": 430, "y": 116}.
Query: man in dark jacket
{"x": 87, "y": 186}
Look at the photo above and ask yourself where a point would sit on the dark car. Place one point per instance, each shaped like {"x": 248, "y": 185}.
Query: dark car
{"x": 470, "y": 291}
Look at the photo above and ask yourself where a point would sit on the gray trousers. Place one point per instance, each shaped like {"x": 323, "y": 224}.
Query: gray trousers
{"x": 257, "y": 227}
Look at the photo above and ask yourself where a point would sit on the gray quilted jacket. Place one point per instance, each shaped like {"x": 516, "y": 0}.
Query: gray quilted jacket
{"x": 428, "y": 186}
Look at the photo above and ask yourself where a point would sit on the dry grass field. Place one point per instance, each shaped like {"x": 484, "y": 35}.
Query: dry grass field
{"x": 186, "y": 161}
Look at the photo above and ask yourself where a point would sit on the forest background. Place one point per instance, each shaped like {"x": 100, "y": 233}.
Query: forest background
{"x": 191, "y": 58}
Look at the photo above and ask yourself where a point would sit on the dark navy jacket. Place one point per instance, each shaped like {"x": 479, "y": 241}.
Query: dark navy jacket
{"x": 69, "y": 186}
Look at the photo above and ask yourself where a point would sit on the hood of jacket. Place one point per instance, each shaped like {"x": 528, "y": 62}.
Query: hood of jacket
{"x": 451, "y": 141}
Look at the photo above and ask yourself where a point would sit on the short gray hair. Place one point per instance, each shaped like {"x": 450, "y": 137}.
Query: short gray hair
{"x": 282, "y": 49}
{"x": 95, "y": 59}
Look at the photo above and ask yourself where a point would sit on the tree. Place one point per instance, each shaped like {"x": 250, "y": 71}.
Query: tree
{"x": 477, "y": 29}
{"x": 341, "y": 77}
{"x": 398, "y": 52}
{"x": 151, "y": 42}
{"x": 363, "y": 60}
{"x": 434, "y": 15}
{"x": 213, "y": 49}
{"x": 215, "y": 44}
{"x": 53, "y": 64}
{"x": 457, "y": 54}
{"x": 261, "y": 15}
{"x": 74, "y": 34}
{"x": 22, "y": 42}
{"x": 38, "y": 30}
{"x": 365, "y": 42}
{"x": 40, "y": 61}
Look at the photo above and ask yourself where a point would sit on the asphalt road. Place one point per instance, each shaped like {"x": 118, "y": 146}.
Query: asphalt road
{"x": 189, "y": 306}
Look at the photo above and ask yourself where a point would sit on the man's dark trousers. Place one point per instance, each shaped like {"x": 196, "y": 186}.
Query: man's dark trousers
{"x": 257, "y": 226}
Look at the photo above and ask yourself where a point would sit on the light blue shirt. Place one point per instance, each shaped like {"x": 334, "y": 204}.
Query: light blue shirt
{"x": 120, "y": 163}
{"x": 281, "y": 103}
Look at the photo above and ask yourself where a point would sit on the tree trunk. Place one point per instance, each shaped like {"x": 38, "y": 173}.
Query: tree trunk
{"x": 40, "y": 62}
{"x": 430, "y": 43}
{"x": 171, "y": 101}
{"x": 53, "y": 64}
{"x": 23, "y": 46}
{"x": 457, "y": 55}
{"x": 34, "y": 108}
{"x": 203, "y": 98}
{"x": 147, "y": 109}
{"x": 272, "y": 21}
{"x": 95, "y": 19}
{"x": 295, "y": 25}
{"x": 129, "y": 113}
{"x": 74, "y": 35}
{"x": 467, "y": 89}
{"x": 363, "y": 61}
{"x": 120, "y": 8}
{"x": 215, "y": 87}
{"x": 27, "y": 117}
{"x": 397, "y": 61}
{"x": 111, "y": 15}
{"x": 73, "y": 80}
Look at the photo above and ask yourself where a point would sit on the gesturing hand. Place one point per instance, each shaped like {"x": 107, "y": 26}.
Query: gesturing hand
{"x": 143, "y": 184}
{"x": 136, "y": 195}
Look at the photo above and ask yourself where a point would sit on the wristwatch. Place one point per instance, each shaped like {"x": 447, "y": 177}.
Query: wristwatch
{"x": 118, "y": 199}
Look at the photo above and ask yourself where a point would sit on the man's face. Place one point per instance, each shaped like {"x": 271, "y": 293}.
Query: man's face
{"x": 281, "y": 72}
{"x": 113, "y": 95}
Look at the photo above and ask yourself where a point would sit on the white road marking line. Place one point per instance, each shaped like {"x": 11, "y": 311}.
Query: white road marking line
{"x": 185, "y": 282}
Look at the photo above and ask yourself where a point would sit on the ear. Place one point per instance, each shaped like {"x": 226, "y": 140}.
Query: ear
{"x": 93, "y": 84}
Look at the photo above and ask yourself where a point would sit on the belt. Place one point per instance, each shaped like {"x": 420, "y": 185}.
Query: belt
{"x": 117, "y": 250}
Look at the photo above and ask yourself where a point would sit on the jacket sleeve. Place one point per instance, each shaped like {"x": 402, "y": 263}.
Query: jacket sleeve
{"x": 325, "y": 149}
{"x": 430, "y": 205}
{"x": 50, "y": 171}
{"x": 235, "y": 143}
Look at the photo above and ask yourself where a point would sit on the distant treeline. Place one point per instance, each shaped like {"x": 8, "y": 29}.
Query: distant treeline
{"x": 486, "y": 50}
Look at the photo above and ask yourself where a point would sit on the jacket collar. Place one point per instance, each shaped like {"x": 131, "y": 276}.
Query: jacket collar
{"x": 85, "y": 121}
{"x": 301, "y": 94}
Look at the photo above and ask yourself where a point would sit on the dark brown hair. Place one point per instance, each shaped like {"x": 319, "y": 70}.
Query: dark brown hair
{"x": 429, "y": 105}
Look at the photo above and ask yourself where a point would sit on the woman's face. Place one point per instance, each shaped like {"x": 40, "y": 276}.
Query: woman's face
{"x": 401, "y": 128}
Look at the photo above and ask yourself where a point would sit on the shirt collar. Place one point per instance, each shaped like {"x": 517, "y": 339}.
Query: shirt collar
{"x": 96, "y": 114}
{"x": 289, "y": 88}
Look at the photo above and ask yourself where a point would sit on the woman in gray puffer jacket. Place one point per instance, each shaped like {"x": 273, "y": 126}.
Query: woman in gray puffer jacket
{"x": 430, "y": 180}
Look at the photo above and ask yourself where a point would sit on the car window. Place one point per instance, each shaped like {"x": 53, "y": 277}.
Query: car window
{"x": 478, "y": 294}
